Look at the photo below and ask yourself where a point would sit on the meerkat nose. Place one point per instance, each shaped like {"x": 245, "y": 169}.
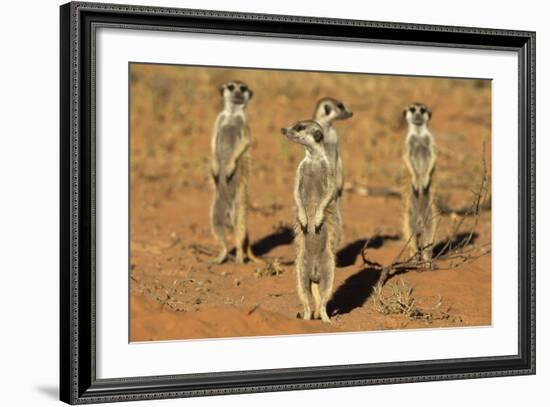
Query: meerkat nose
{"x": 283, "y": 131}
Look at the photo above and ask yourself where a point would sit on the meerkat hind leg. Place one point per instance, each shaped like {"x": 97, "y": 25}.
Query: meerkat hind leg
{"x": 325, "y": 288}
{"x": 303, "y": 285}
{"x": 242, "y": 239}
{"x": 221, "y": 257}
{"x": 410, "y": 232}
{"x": 241, "y": 234}
{"x": 339, "y": 235}
{"x": 428, "y": 239}
{"x": 219, "y": 214}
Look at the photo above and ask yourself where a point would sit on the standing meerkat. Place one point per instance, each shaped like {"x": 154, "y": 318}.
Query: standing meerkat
{"x": 420, "y": 156}
{"x": 327, "y": 111}
{"x": 230, "y": 168}
{"x": 314, "y": 196}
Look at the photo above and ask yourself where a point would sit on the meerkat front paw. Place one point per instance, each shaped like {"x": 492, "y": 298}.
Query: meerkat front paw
{"x": 230, "y": 171}
{"x": 319, "y": 219}
{"x": 215, "y": 176}
{"x": 215, "y": 171}
{"x": 302, "y": 220}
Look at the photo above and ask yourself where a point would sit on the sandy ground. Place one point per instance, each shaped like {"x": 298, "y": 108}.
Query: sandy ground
{"x": 176, "y": 294}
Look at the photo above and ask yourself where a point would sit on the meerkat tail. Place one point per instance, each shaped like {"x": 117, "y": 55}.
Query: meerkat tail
{"x": 316, "y": 299}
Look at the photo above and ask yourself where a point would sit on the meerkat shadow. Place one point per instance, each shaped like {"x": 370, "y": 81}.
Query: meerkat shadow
{"x": 348, "y": 254}
{"x": 353, "y": 292}
{"x": 283, "y": 235}
{"x": 460, "y": 240}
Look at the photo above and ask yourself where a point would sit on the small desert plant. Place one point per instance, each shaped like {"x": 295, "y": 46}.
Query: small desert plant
{"x": 271, "y": 269}
{"x": 401, "y": 301}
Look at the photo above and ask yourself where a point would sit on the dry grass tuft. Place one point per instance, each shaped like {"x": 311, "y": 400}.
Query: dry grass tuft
{"x": 401, "y": 301}
{"x": 271, "y": 269}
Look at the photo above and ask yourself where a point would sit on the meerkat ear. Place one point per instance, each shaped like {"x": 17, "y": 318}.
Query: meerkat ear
{"x": 328, "y": 109}
{"x": 318, "y": 136}
{"x": 222, "y": 88}
{"x": 430, "y": 114}
{"x": 404, "y": 113}
{"x": 250, "y": 93}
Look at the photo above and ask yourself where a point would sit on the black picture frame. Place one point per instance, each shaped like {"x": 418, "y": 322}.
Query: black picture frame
{"x": 78, "y": 382}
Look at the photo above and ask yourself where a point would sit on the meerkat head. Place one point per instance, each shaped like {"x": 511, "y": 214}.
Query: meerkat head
{"x": 417, "y": 114}
{"x": 308, "y": 133}
{"x": 331, "y": 109}
{"x": 235, "y": 93}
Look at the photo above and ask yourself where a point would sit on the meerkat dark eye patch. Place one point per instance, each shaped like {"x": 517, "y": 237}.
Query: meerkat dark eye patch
{"x": 412, "y": 109}
{"x": 328, "y": 109}
{"x": 299, "y": 127}
{"x": 231, "y": 87}
{"x": 243, "y": 88}
{"x": 423, "y": 110}
{"x": 318, "y": 136}
{"x": 340, "y": 106}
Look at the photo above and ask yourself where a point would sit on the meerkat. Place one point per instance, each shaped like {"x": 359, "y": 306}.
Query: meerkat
{"x": 230, "y": 168}
{"x": 419, "y": 157}
{"x": 326, "y": 112}
{"x": 314, "y": 196}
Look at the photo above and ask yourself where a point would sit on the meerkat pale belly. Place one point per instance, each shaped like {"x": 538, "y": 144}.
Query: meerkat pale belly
{"x": 315, "y": 242}
{"x": 230, "y": 135}
{"x": 420, "y": 152}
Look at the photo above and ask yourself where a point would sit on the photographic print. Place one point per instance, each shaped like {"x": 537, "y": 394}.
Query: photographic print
{"x": 275, "y": 202}
{"x": 280, "y": 220}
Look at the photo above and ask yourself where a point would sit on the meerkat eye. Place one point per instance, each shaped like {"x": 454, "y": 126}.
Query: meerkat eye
{"x": 231, "y": 87}
{"x": 299, "y": 127}
{"x": 423, "y": 110}
{"x": 318, "y": 136}
{"x": 340, "y": 106}
{"x": 412, "y": 109}
{"x": 243, "y": 88}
